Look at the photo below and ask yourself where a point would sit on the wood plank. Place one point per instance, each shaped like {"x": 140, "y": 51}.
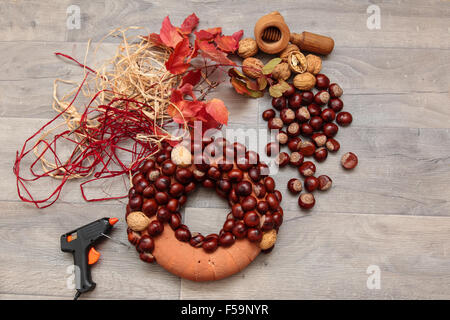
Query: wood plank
{"x": 33, "y": 264}
{"x": 400, "y": 171}
{"x": 325, "y": 256}
{"x": 420, "y": 24}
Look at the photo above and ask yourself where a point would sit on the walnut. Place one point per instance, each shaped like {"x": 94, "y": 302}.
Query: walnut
{"x": 252, "y": 67}
{"x": 304, "y": 81}
{"x": 181, "y": 156}
{"x": 297, "y": 61}
{"x": 247, "y": 48}
{"x": 314, "y": 64}
{"x": 290, "y": 47}
{"x": 281, "y": 71}
{"x": 137, "y": 221}
{"x": 268, "y": 239}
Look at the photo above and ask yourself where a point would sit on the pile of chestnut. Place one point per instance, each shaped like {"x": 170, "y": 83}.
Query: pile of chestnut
{"x": 161, "y": 187}
{"x": 312, "y": 116}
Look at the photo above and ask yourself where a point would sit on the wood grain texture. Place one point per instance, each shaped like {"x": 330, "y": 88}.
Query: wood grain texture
{"x": 325, "y": 256}
{"x": 393, "y": 210}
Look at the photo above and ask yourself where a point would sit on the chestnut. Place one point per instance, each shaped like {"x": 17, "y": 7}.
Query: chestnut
{"x": 282, "y": 159}
{"x": 233, "y": 198}
{"x": 287, "y": 115}
{"x": 208, "y": 183}
{"x": 153, "y": 174}
{"x": 162, "y": 157}
{"x": 332, "y": 145}
{"x": 269, "y": 183}
{"x": 135, "y": 203}
{"x": 268, "y": 114}
{"x": 168, "y": 168}
{"x": 183, "y": 234}
{"x": 336, "y": 104}
{"x": 183, "y": 175}
{"x": 244, "y": 188}
{"x": 176, "y": 190}
{"x": 307, "y": 148}
{"x": 254, "y": 235}
{"x": 149, "y": 192}
{"x": 279, "y": 103}
{"x": 163, "y": 214}
{"x": 161, "y": 197}
{"x": 319, "y": 139}
{"x": 182, "y": 200}
{"x": 322, "y": 81}
{"x": 306, "y": 201}
{"x": 210, "y": 245}
{"x": 302, "y": 115}
{"x": 295, "y": 100}
{"x": 307, "y": 169}
{"x": 282, "y": 137}
{"x": 307, "y": 98}
{"x": 293, "y": 129}
{"x": 162, "y": 183}
{"x": 214, "y": 173}
{"x": 141, "y": 185}
{"x": 226, "y": 239}
{"x": 311, "y": 183}
{"x": 252, "y": 157}
{"x": 248, "y": 203}
{"x": 254, "y": 174}
{"x": 344, "y": 118}
{"x": 225, "y": 165}
{"x": 322, "y": 97}
{"x": 296, "y": 159}
{"x": 173, "y": 205}
{"x": 155, "y": 228}
{"x": 148, "y": 164}
{"x": 349, "y": 160}
{"x": 328, "y": 115}
{"x": 264, "y": 169}
{"x": 272, "y": 201}
{"x": 321, "y": 154}
{"x": 132, "y": 193}
{"x": 229, "y": 225}
{"x": 277, "y": 219}
{"x": 137, "y": 178}
{"x": 289, "y": 92}
{"x": 260, "y": 190}
{"x": 335, "y": 90}
{"x": 239, "y": 230}
{"x": 239, "y": 149}
{"x": 224, "y": 185}
{"x": 175, "y": 221}
{"x": 237, "y": 211}
{"x": 251, "y": 219}
{"x": 316, "y": 123}
{"x": 262, "y": 207}
{"x": 149, "y": 207}
{"x": 314, "y": 110}
{"x": 189, "y": 187}
{"x": 272, "y": 148}
{"x": 235, "y": 175}
{"x": 145, "y": 244}
{"x": 266, "y": 222}
{"x": 307, "y": 130}
{"x": 294, "y": 185}
{"x": 330, "y": 129}
{"x": 278, "y": 195}
{"x": 197, "y": 240}
{"x": 294, "y": 143}
{"x": 198, "y": 175}
{"x": 325, "y": 182}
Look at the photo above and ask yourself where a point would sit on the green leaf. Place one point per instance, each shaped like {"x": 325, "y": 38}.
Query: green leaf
{"x": 278, "y": 89}
{"x": 268, "y": 68}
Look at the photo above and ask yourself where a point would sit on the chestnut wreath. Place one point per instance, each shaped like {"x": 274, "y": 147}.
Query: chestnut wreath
{"x": 161, "y": 187}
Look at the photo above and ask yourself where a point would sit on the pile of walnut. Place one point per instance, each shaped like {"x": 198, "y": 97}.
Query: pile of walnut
{"x": 162, "y": 185}
{"x": 302, "y": 112}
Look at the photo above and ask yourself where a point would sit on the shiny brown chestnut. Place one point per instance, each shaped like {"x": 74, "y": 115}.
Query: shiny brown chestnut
{"x": 282, "y": 159}
{"x": 168, "y": 168}
{"x": 135, "y": 203}
{"x": 149, "y": 192}
{"x": 321, "y": 154}
{"x": 328, "y": 115}
{"x": 145, "y": 244}
{"x": 268, "y": 114}
{"x": 239, "y": 230}
{"x": 149, "y": 207}
{"x": 153, "y": 174}
{"x": 293, "y": 129}
{"x": 349, "y": 160}
{"x": 319, "y": 139}
{"x": 316, "y": 123}
{"x": 332, "y": 145}
{"x": 294, "y": 143}
{"x": 244, "y": 188}
{"x": 295, "y": 100}
{"x": 322, "y": 81}
{"x": 162, "y": 183}
{"x": 294, "y": 185}
{"x": 183, "y": 234}
{"x": 272, "y": 148}
{"x": 229, "y": 225}
{"x": 306, "y": 129}
{"x": 322, "y": 97}
{"x": 269, "y": 183}
{"x": 307, "y": 148}
{"x": 296, "y": 159}
{"x": 163, "y": 214}
{"x": 161, "y": 197}
{"x": 175, "y": 221}
{"x": 235, "y": 175}
{"x": 259, "y": 190}
{"x": 254, "y": 235}
{"x": 141, "y": 185}
{"x": 325, "y": 182}
{"x": 287, "y": 115}
{"x": 272, "y": 201}
{"x": 183, "y": 175}
{"x": 306, "y": 201}
{"x": 210, "y": 245}
{"x": 136, "y": 178}
{"x": 336, "y": 104}
{"x": 155, "y": 228}
{"x": 148, "y": 164}
{"x": 251, "y": 219}
{"x": 307, "y": 169}
{"x": 173, "y": 205}
{"x": 335, "y": 90}
{"x": 330, "y": 129}
{"x": 344, "y": 118}
{"x": 197, "y": 240}
{"x": 314, "y": 110}
{"x": 226, "y": 239}
{"x": 311, "y": 183}
{"x": 302, "y": 115}
{"x": 282, "y": 137}
{"x": 262, "y": 207}
{"x": 307, "y": 98}
{"x": 214, "y": 173}
{"x": 266, "y": 222}
{"x": 176, "y": 190}
{"x": 238, "y": 211}
{"x": 279, "y": 103}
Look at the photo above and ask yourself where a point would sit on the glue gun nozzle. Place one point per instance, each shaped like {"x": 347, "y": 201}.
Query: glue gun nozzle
{"x": 112, "y": 221}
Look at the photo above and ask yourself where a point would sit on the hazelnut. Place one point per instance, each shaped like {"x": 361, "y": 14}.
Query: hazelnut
{"x": 268, "y": 239}
{"x": 281, "y": 71}
{"x": 137, "y": 221}
{"x": 304, "y": 81}
{"x": 290, "y": 48}
{"x": 297, "y": 61}
{"x": 314, "y": 64}
{"x": 252, "y": 67}
{"x": 247, "y": 48}
{"x": 181, "y": 156}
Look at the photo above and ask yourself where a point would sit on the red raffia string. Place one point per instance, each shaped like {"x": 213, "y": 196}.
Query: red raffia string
{"x": 121, "y": 120}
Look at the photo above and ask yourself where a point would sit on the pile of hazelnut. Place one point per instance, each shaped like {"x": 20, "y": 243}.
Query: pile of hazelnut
{"x": 304, "y": 113}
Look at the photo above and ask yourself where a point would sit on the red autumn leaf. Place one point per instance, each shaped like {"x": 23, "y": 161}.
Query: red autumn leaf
{"x": 229, "y": 43}
{"x": 208, "y": 34}
{"x": 189, "y": 24}
{"x": 239, "y": 86}
{"x": 238, "y": 35}
{"x": 175, "y": 64}
{"x": 214, "y": 31}
{"x": 208, "y": 50}
{"x": 169, "y": 34}
{"x": 155, "y": 38}
{"x": 192, "y": 77}
{"x": 187, "y": 110}
{"x": 217, "y": 110}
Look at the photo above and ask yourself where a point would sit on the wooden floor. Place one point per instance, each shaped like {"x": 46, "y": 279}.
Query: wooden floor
{"x": 393, "y": 211}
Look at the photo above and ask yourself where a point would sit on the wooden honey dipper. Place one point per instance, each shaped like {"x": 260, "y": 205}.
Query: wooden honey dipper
{"x": 273, "y": 35}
